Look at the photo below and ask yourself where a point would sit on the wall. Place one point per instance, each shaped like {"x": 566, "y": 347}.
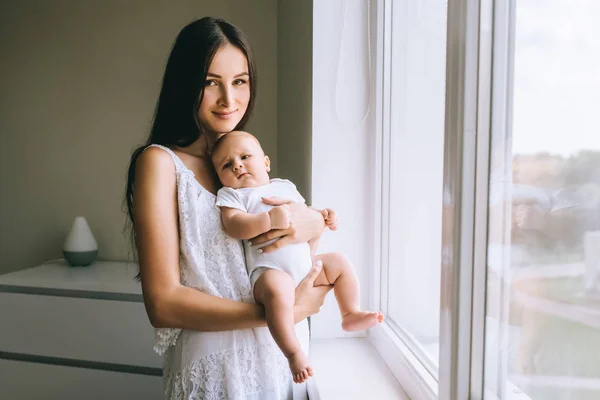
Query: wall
{"x": 294, "y": 92}
{"x": 343, "y": 143}
{"x": 79, "y": 84}
{"x": 326, "y": 126}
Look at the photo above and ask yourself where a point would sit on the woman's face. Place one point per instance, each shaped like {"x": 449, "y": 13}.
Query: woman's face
{"x": 227, "y": 91}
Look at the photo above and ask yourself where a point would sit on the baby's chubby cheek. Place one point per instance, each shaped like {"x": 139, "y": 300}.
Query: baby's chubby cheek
{"x": 229, "y": 181}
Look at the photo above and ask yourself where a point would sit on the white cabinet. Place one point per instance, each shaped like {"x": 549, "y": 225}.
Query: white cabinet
{"x": 35, "y": 381}
{"x": 72, "y": 333}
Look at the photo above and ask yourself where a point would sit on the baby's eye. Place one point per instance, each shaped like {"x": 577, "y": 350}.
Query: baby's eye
{"x": 227, "y": 165}
{"x": 245, "y": 156}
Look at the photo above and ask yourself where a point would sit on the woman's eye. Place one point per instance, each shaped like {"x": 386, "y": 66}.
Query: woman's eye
{"x": 239, "y": 82}
{"x": 210, "y": 82}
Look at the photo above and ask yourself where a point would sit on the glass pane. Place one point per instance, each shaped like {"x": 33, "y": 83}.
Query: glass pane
{"x": 543, "y": 306}
{"x": 416, "y": 172}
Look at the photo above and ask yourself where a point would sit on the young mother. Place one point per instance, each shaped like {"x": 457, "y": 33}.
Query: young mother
{"x": 196, "y": 289}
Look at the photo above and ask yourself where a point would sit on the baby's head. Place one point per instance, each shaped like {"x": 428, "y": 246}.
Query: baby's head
{"x": 240, "y": 161}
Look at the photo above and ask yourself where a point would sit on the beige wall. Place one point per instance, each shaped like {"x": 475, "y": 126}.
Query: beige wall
{"x": 79, "y": 83}
{"x": 294, "y": 92}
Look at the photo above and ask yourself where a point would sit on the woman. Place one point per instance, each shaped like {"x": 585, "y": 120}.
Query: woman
{"x": 196, "y": 289}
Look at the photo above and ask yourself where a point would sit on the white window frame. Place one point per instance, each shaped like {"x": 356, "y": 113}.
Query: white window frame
{"x": 478, "y": 99}
{"x": 466, "y": 175}
{"x": 414, "y": 377}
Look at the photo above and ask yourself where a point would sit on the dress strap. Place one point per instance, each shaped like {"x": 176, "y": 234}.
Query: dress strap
{"x": 179, "y": 165}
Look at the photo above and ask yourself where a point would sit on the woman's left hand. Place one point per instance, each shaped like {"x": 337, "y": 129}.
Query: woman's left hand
{"x": 306, "y": 224}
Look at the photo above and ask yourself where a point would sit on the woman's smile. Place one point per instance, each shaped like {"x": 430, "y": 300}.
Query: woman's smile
{"x": 224, "y": 114}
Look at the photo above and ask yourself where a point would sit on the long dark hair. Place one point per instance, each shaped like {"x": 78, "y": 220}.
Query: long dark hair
{"x": 176, "y": 121}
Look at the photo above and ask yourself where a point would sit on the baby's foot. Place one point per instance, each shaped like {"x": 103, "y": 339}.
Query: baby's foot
{"x": 361, "y": 320}
{"x": 300, "y": 367}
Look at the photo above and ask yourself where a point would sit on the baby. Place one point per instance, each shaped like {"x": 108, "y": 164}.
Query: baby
{"x": 243, "y": 170}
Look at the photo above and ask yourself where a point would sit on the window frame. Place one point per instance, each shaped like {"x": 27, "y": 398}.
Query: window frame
{"x": 415, "y": 378}
{"x": 476, "y": 31}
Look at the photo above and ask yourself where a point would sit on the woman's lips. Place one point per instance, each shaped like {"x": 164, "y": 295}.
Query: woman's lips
{"x": 224, "y": 115}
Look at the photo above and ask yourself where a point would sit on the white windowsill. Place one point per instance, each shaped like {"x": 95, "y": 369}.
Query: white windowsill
{"x": 350, "y": 369}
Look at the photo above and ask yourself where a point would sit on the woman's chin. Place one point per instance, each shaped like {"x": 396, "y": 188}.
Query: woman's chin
{"x": 220, "y": 127}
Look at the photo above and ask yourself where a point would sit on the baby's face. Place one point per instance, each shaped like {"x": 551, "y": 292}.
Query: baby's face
{"x": 241, "y": 163}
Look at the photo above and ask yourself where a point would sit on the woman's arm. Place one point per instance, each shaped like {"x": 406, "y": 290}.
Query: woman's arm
{"x": 169, "y": 303}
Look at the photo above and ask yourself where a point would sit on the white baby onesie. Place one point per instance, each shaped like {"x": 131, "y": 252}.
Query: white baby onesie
{"x": 294, "y": 259}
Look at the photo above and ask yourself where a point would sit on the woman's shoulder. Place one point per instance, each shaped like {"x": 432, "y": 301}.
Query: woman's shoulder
{"x": 154, "y": 156}
{"x": 155, "y": 162}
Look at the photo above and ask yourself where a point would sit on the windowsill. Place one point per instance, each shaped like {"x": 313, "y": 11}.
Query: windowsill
{"x": 350, "y": 369}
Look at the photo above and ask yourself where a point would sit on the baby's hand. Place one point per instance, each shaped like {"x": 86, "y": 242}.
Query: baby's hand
{"x": 331, "y": 220}
{"x": 280, "y": 217}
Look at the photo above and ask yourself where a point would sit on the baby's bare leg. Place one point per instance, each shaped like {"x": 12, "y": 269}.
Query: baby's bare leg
{"x": 339, "y": 272}
{"x": 275, "y": 290}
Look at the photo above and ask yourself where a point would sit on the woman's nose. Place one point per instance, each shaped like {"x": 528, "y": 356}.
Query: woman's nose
{"x": 225, "y": 99}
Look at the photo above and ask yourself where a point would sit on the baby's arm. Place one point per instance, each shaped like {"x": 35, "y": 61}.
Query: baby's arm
{"x": 330, "y": 217}
{"x": 331, "y": 222}
{"x": 241, "y": 225}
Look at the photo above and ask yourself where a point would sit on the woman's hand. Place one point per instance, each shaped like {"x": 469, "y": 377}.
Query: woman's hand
{"x": 306, "y": 224}
{"x": 309, "y": 298}
{"x": 280, "y": 217}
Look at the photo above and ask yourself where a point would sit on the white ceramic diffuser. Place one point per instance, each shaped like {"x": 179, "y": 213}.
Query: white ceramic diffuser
{"x": 80, "y": 248}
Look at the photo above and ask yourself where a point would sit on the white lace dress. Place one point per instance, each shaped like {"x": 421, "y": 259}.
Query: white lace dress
{"x": 233, "y": 365}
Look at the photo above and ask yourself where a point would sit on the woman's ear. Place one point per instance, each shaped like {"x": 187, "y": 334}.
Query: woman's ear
{"x": 268, "y": 163}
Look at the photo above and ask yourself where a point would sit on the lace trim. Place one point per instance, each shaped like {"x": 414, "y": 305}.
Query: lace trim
{"x": 233, "y": 374}
{"x": 165, "y": 338}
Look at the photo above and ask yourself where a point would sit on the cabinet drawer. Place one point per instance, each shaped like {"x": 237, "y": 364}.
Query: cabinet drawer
{"x": 31, "y": 381}
{"x": 77, "y": 328}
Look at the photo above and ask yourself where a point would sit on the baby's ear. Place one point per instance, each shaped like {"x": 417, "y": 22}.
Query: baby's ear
{"x": 268, "y": 163}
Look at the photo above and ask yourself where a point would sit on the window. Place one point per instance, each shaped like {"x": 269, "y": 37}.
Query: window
{"x": 543, "y": 288}
{"x": 490, "y": 192}
{"x": 412, "y": 154}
